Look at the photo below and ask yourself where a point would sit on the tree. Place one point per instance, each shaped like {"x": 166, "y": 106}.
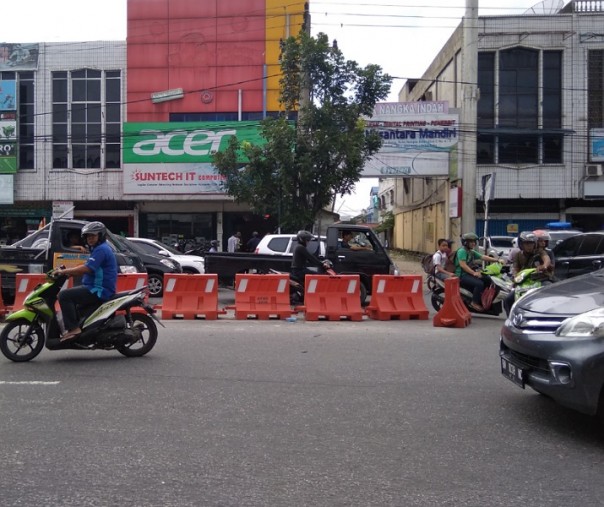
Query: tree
{"x": 301, "y": 168}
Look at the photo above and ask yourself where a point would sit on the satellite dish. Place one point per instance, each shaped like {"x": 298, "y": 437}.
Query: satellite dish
{"x": 545, "y": 8}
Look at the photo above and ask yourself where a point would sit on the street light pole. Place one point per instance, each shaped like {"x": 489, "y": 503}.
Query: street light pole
{"x": 469, "y": 110}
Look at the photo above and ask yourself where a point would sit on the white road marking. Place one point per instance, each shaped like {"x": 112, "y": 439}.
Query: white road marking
{"x": 30, "y": 382}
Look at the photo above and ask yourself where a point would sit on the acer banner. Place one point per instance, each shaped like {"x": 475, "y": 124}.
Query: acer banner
{"x": 152, "y": 143}
{"x": 176, "y": 158}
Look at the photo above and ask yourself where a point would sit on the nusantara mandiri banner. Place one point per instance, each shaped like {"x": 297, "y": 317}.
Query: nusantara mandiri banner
{"x": 413, "y": 144}
{"x": 187, "y": 142}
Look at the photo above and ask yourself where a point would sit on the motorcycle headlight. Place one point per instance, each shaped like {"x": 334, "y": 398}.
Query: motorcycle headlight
{"x": 585, "y": 325}
{"x": 168, "y": 263}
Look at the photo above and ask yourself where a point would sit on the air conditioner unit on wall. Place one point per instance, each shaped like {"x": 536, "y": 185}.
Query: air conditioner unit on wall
{"x": 593, "y": 170}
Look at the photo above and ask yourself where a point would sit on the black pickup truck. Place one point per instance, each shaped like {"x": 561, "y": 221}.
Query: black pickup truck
{"x": 49, "y": 248}
{"x": 365, "y": 262}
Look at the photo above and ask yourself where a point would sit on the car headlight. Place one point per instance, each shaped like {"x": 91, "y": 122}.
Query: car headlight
{"x": 585, "y": 325}
{"x": 168, "y": 263}
{"x": 128, "y": 269}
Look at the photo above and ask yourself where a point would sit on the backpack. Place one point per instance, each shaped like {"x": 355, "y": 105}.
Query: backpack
{"x": 427, "y": 264}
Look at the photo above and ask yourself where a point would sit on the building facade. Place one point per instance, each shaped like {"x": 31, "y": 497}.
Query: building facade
{"x": 189, "y": 74}
{"x": 539, "y": 126}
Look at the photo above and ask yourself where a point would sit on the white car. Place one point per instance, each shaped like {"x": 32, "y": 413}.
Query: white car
{"x": 190, "y": 263}
{"x": 284, "y": 244}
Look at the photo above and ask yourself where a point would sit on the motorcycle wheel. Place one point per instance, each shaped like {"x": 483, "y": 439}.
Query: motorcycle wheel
{"x": 16, "y": 345}
{"x": 147, "y": 328}
{"x": 437, "y": 298}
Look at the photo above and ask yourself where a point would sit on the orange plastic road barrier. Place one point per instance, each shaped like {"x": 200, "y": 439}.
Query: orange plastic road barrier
{"x": 24, "y": 284}
{"x": 262, "y": 296}
{"x": 453, "y": 312}
{"x": 397, "y": 297}
{"x": 3, "y": 308}
{"x": 332, "y": 297}
{"x": 131, "y": 281}
{"x": 190, "y": 297}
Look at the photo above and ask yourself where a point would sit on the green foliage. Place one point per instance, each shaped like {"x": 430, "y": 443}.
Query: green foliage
{"x": 387, "y": 222}
{"x": 300, "y": 169}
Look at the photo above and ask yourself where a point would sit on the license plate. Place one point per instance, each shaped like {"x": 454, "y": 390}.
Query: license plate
{"x": 512, "y": 372}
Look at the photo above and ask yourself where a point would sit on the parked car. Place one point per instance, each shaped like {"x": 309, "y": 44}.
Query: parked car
{"x": 558, "y": 235}
{"x": 579, "y": 254}
{"x": 284, "y": 244}
{"x": 553, "y": 342}
{"x": 192, "y": 264}
{"x": 496, "y": 246}
{"x": 156, "y": 266}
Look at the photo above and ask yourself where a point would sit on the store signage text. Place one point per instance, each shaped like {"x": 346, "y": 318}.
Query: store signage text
{"x": 179, "y": 142}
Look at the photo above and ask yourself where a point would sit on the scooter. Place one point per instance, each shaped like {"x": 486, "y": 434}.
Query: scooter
{"x": 500, "y": 279}
{"x": 117, "y": 324}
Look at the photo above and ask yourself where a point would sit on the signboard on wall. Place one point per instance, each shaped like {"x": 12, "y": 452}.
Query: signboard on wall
{"x": 7, "y": 194}
{"x": 8, "y": 126}
{"x": 172, "y": 179}
{"x": 419, "y": 139}
{"x": 187, "y": 142}
{"x": 596, "y": 144}
{"x": 18, "y": 56}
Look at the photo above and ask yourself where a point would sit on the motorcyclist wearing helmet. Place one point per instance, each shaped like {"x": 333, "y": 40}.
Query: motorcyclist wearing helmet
{"x": 302, "y": 258}
{"x": 470, "y": 279}
{"x": 528, "y": 257}
{"x": 99, "y": 278}
{"x": 543, "y": 239}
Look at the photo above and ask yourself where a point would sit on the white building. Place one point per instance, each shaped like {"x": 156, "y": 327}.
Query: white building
{"x": 539, "y": 126}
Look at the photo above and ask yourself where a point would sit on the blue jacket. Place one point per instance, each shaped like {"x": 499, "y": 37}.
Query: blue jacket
{"x": 103, "y": 279}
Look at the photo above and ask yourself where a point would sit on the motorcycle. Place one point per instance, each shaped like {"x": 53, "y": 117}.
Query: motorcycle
{"x": 111, "y": 326}
{"x": 502, "y": 283}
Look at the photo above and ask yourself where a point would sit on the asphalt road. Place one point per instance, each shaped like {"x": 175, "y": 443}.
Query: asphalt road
{"x": 257, "y": 413}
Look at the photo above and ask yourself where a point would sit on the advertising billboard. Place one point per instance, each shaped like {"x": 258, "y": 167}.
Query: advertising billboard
{"x": 176, "y": 158}
{"x": 19, "y": 56}
{"x": 419, "y": 139}
{"x": 596, "y": 137}
{"x": 187, "y": 142}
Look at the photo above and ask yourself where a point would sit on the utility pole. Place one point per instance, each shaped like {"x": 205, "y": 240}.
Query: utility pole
{"x": 468, "y": 127}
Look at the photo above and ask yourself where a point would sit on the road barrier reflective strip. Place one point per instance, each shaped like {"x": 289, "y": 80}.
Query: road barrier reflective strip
{"x": 415, "y": 286}
{"x": 352, "y": 285}
{"x": 170, "y": 285}
{"x": 242, "y": 285}
{"x": 282, "y": 285}
{"x": 209, "y": 285}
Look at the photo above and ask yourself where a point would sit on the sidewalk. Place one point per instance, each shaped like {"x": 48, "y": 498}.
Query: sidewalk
{"x": 408, "y": 264}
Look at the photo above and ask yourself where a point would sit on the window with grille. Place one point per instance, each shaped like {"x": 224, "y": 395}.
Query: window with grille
{"x": 86, "y": 119}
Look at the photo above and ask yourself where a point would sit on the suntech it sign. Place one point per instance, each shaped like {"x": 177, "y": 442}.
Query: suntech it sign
{"x": 176, "y": 158}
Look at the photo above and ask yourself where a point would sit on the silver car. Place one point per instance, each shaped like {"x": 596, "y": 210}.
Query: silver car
{"x": 553, "y": 342}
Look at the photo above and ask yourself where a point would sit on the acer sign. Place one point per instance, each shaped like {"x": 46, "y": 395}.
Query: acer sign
{"x": 152, "y": 143}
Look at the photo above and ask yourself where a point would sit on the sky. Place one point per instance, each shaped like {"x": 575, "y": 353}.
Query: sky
{"x": 402, "y": 36}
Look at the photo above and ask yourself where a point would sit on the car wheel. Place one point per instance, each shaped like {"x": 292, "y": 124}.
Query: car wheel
{"x": 156, "y": 285}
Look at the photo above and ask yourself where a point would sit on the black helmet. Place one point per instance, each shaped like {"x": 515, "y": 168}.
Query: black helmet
{"x": 214, "y": 242}
{"x": 526, "y": 237}
{"x": 304, "y": 237}
{"x": 468, "y": 236}
{"x": 95, "y": 228}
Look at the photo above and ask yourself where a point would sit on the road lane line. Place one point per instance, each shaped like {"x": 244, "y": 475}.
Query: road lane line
{"x": 30, "y": 382}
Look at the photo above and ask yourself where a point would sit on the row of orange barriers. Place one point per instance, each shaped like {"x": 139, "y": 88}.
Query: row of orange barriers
{"x": 267, "y": 296}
